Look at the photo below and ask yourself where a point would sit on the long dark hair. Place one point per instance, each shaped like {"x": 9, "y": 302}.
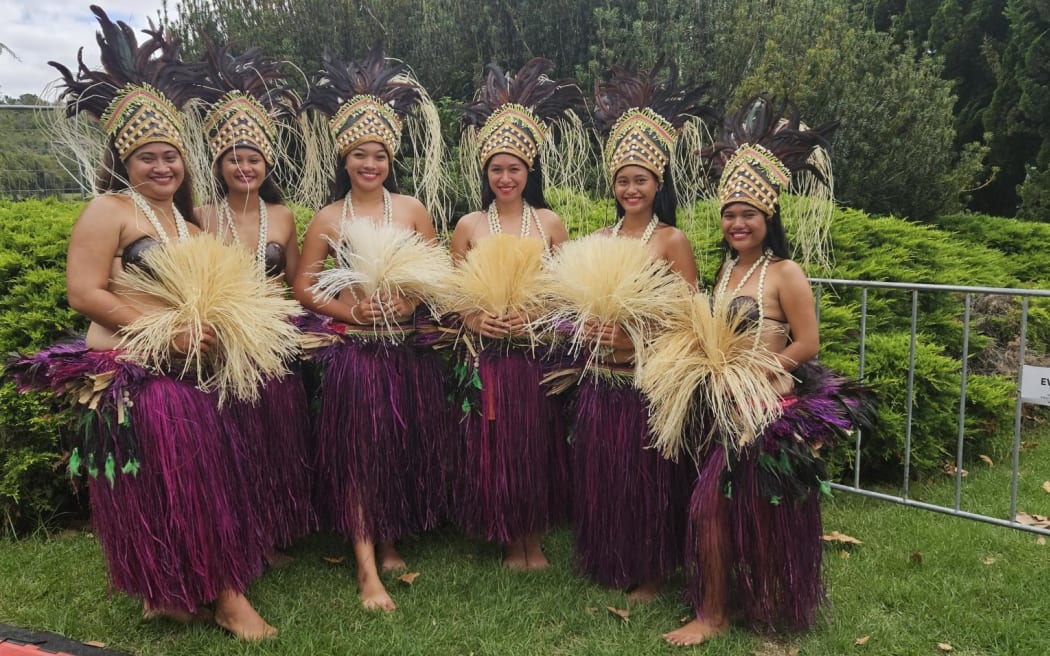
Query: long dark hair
{"x": 665, "y": 201}
{"x": 533, "y": 192}
{"x": 341, "y": 184}
{"x": 112, "y": 176}
{"x": 775, "y": 240}
{"x": 269, "y": 191}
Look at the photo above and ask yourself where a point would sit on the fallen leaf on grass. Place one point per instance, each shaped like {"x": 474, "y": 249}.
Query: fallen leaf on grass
{"x": 408, "y": 577}
{"x": 624, "y": 615}
{"x": 950, "y": 469}
{"x": 333, "y": 560}
{"x": 793, "y": 651}
{"x": 835, "y": 536}
{"x": 861, "y": 641}
{"x": 95, "y": 643}
{"x": 988, "y": 560}
{"x": 592, "y": 610}
{"x": 1028, "y": 446}
{"x": 684, "y": 619}
{"x": 89, "y": 536}
{"x": 944, "y": 646}
{"x": 1046, "y": 487}
{"x": 986, "y": 460}
{"x": 916, "y": 557}
{"x": 1041, "y": 541}
{"x": 1039, "y": 521}
{"x": 843, "y": 554}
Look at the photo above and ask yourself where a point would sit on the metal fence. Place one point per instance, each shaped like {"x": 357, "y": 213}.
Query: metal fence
{"x": 966, "y": 298}
{"x": 28, "y": 168}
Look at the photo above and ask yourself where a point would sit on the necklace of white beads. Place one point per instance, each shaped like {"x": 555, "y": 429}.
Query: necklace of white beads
{"x": 528, "y": 217}
{"x": 226, "y": 223}
{"x": 762, "y": 265}
{"x": 154, "y": 220}
{"x": 646, "y": 235}
{"x": 388, "y": 211}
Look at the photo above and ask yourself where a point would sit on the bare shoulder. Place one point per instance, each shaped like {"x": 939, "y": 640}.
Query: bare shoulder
{"x": 671, "y": 236}
{"x": 789, "y": 273}
{"x": 106, "y": 206}
{"x": 404, "y": 203}
{"x": 549, "y": 218}
{"x": 468, "y": 223}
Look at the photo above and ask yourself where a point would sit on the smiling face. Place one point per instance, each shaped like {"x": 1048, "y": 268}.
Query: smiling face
{"x": 368, "y": 165}
{"x": 155, "y": 170}
{"x": 507, "y": 176}
{"x": 744, "y": 227}
{"x": 635, "y": 189}
{"x": 243, "y": 169}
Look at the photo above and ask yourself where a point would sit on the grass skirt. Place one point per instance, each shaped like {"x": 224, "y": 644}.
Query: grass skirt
{"x": 272, "y": 444}
{"x": 180, "y": 528}
{"x": 381, "y": 430}
{"x": 757, "y": 511}
{"x": 629, "y": 503}
{"x": 513, "y": 479}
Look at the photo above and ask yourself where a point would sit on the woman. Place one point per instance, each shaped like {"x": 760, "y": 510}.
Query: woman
{"x": 246, "y": 97}
{"x": 381, "y": 423}
{"x": 178, "y": 541}
{"x": 628, "y": 501}
{"x": 513, "y": 478}
{"x": 753, "y": 543}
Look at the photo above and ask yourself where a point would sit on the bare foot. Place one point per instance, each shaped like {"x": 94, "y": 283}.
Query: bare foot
{"x": 389, "y": 559}
{"x": 375, "y": 597}
{"x": 514, "y": 555}
{"x": 278, "y": 559}
{"x": 534, "y": 555}
{"x": 644, "y": 592}
{"x": 179, "y": 615}
{"x": 235, "y": 613}
{"x": 696, "y": 632}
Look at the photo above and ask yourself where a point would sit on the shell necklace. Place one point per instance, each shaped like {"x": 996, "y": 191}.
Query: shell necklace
{"x": 646, "y": 235}
{"x": 151, "y": 216}
{"x": 226, "y": 223}
{"x": 388, "y": 212}
{"x": 528, "y": 216}
{"x": 763, "y": 262}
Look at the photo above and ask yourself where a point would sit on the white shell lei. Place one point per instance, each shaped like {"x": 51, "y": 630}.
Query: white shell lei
{"x": 528, "y": 216}
{"x": 763, "y": 262}
{"x": 388, "y": 211}
{"x": 226, "y": 223}
{"x": 151, "y": 216}
{"x": 646, "y": 235}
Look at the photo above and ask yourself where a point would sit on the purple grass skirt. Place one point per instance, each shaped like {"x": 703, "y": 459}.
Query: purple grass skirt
{"x": 513, "y": 479}
{"x": 381, "y": 433}
{"x": 629, "y": 503}
{"x": 272, "y": 443}
{"x": 181, "y": 529}
{"x": 757, "y": 511}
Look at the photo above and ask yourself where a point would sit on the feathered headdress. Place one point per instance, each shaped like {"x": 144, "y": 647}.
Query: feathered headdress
{"x": 642, "y": 116}
{"x": 513, "y": 115}
{"x": 375, "y": 101}
{"x": 136, "y": 95}
{"x": 763, "y": 151}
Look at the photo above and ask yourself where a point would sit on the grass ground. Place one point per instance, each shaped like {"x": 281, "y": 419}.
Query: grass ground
{"x": 917, "y": 580}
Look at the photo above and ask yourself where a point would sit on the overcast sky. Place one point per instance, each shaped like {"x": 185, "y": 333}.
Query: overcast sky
{"x": 42, "y": 30}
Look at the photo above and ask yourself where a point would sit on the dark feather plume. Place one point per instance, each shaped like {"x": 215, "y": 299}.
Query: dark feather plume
{"x": 531, "y": 87}
{"x": 774, "y": 125}
{"x": 340, "y": 80}
{"x": 627, "y": 90}
{"x": 251, "y": 73}
{"x": 125, "y": 62}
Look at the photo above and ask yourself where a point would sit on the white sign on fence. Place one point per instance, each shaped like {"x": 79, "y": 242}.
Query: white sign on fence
{"x": 1035, "y": 385}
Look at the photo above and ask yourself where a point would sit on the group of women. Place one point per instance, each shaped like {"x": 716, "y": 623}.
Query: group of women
{"x": 193, "y": 495}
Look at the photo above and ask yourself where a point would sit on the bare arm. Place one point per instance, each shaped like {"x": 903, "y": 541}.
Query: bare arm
{"x": 291, "y": 242}
{"x": 679, "y": 252}
{"x": 93, "y": 244}
{"x": 315, "y": 251}
{"x": 796, "y": 300}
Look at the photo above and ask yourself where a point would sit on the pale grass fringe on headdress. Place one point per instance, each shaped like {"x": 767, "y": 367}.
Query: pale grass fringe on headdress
{"x": 201, "y": 281}
{"x": 690, "y": 177}
{"x": 565, "y": 155}
{"x": 500, "y": 274}
{"x": 197, "y": 156}
{"x": 707, "y": 371}
{"x": 469, "y": 165}
{"x": 602, "y": 280}
{"x": 430, "y": 173}
{"x": 319, "y": 158}
{"x": 380, "y": 261}
{"x": 78, "y": 143}
{"x": 809, "y": 213}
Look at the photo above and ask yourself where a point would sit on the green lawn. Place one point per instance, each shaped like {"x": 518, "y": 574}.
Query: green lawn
{"x": 917, "y": 580}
